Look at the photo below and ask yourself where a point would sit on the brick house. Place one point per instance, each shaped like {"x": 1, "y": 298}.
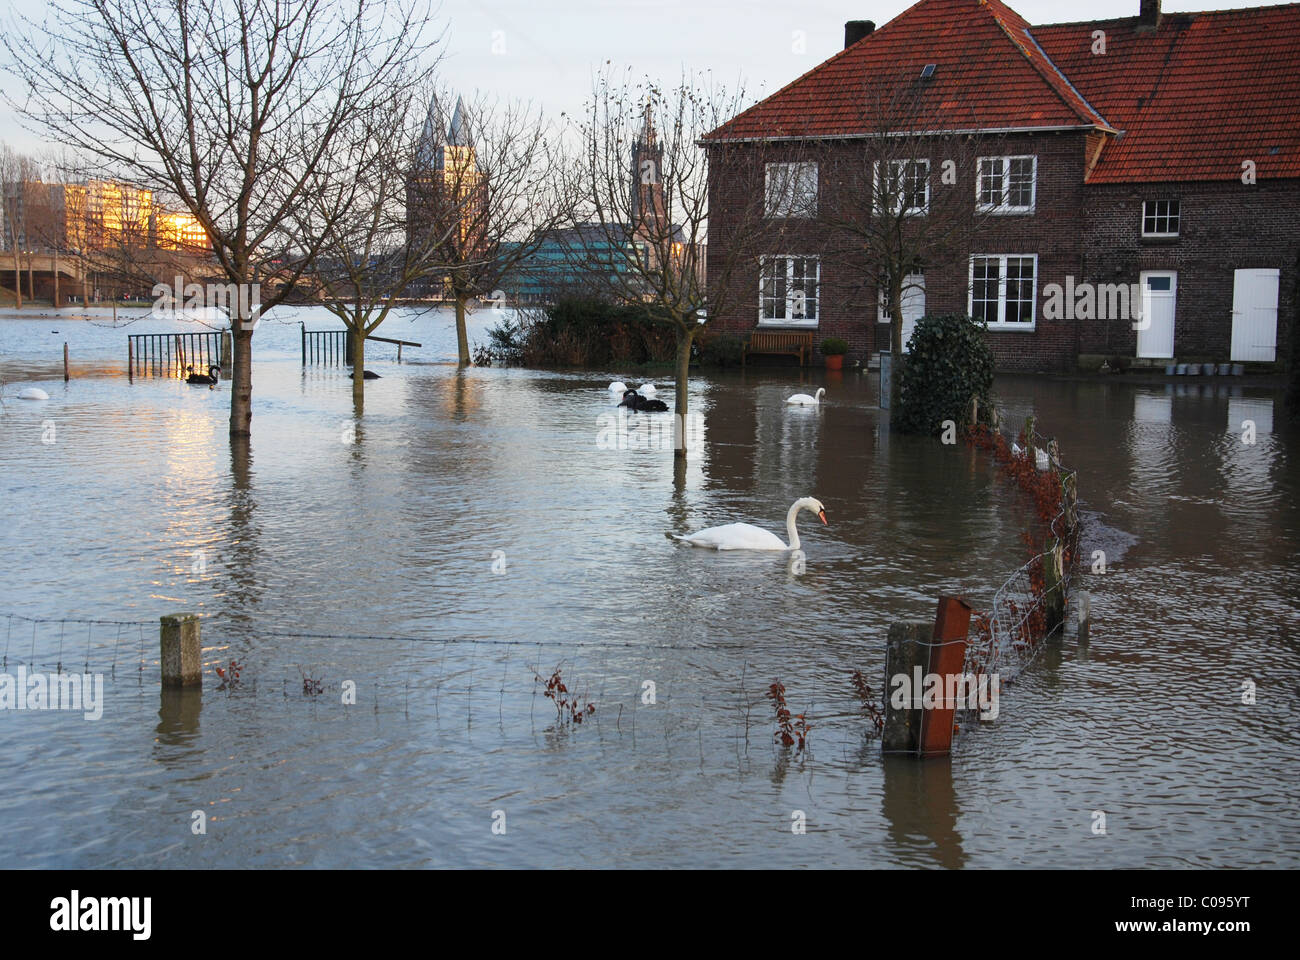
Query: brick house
{"x": 1125, "y": 188}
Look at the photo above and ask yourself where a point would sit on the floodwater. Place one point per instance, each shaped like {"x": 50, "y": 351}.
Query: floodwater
{"x": 467, "y": 530}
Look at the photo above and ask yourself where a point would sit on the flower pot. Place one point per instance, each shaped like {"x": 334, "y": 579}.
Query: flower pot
{"x": 834, "y": 361}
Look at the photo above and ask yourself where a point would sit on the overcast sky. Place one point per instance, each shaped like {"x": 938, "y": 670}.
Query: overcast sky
{"x": 547, "y": 50}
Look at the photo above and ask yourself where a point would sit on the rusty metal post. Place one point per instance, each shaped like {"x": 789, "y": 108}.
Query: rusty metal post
{"x": 947, "y": 656}
{"x": 65, "y": 361}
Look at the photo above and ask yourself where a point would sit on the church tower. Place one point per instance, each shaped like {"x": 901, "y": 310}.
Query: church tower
{"x": 649, "y": 214}
{"x": 446, "y": 195}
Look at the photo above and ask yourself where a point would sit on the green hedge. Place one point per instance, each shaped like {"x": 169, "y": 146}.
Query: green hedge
{"x": 949, "y": 363}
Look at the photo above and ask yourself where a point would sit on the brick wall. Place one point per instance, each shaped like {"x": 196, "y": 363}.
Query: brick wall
{"x": 1090, "y": 233}
{"x": 1224, "y": 227}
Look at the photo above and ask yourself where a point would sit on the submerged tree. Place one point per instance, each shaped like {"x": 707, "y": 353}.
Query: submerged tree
{"x": 901, "y": 198}
{"x": 359, "y": 220}
{"x": 645, "y": 175}
{"x": 235, "y": 107}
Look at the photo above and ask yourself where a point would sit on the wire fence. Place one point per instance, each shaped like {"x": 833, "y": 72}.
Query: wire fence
{"x": 679, "y": 689}
{"x": 1007, "y": 638}
{"x": 674, "y": 697}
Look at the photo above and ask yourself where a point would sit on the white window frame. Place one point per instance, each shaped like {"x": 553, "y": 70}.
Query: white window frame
{"x": 800, "y": 178}
{"x": 1176, "y": 216}
{"x": 789, "y": 258}
{"x": 1002, "y": 323}
{"x": 1002, "y": 207}
{"x": 898, "y": 168}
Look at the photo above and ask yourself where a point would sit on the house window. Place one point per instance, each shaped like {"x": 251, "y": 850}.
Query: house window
{"x": 790, "y": 190}
{"x": 1006, "y": 184}
{"x": 788, "y": 290}
{"x": 1003, "y": 288}
{"x": 1160, "y": 218}
{"x": 908, "y": 189}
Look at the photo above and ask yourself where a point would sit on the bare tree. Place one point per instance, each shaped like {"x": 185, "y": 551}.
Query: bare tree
{"x": 232, "y": 106}
{"x": 487, "y": 187}
{"x": 901, "y": 200}
{"x": 366, "y": 264}
{"x": 17, "y": 171}
{"x": 646, "y": 171}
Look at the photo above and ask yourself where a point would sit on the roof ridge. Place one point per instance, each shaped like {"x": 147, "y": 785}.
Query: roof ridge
{"x": 839, "y": 54}
{"x": 1025, "y": 26}
{"x": 1227, "y": 11}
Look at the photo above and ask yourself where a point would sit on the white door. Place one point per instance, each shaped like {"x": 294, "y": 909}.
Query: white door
{"x": 1155, "y": 328}
{"x": 913, "y": 304}
{"x": 1254, "y": 315}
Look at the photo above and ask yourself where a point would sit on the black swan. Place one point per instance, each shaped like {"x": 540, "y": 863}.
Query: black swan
{"x": 198, "y": 379}
{"x": 366, "y": 375}
{"x": 634, "y": 401}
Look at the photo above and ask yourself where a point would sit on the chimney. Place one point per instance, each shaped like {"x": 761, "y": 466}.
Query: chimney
{"x": 1149, "y": 14}
{"x": 855, "y": 30}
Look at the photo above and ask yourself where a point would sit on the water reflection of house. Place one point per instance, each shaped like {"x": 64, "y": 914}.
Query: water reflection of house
{"x": 1159, "y": 152}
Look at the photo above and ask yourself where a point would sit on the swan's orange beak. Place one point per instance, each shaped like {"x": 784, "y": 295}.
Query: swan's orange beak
{"x": 822, "y": 514}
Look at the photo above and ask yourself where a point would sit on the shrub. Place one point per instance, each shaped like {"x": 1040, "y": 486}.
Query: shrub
{"x": 949, "y": 363}
{"x": 583, "y": 331}
{"x": 719, "y": 349}
{"x": 834, "y": 346}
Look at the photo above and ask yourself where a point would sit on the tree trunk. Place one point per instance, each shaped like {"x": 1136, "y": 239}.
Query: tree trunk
{"x": 685, "y": 337}
{"x": 358, "y": 367}
{"x": 56, "y": 279}
{"x": 31, "y": 276}
{"x": 18, "y": 279}
{"x": 895, "y": 339}
{"x": 241, "y": 381}
{"x": 462, "y": 337}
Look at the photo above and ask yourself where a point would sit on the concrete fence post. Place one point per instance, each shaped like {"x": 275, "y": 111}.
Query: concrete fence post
{"x": 1054, "y": 585}
{"x": 182, "y": 665}
{"x": 907, "y": 654}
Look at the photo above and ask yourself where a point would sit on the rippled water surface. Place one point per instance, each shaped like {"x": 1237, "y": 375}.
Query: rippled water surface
{"x": 477, "y": 527}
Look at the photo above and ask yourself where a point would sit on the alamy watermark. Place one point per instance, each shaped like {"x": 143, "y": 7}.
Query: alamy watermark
{"x": 242, "y": 302}
{"x": 618, "y": 431}
{"x": 1095, "y": 301}
{"x": 955, "y": 691}
{"x": 83, "y": 692}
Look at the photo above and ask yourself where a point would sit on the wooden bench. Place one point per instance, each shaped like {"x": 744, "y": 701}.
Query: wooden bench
{"x": 797, "y": 343}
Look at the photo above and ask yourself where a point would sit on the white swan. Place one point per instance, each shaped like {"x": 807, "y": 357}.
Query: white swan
{"x": 619, "y": 387}
{"x": 32, "y": 393}
{"x": 802, "y": 399}
{"x": 647, "y": 390}
{"x": 746, "y": 536}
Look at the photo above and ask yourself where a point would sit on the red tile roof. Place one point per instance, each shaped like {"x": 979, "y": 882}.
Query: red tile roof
{"x": 1190, "y": 101}
{"x": 989, "y": 73}
{"x": 1194, "y": 98}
